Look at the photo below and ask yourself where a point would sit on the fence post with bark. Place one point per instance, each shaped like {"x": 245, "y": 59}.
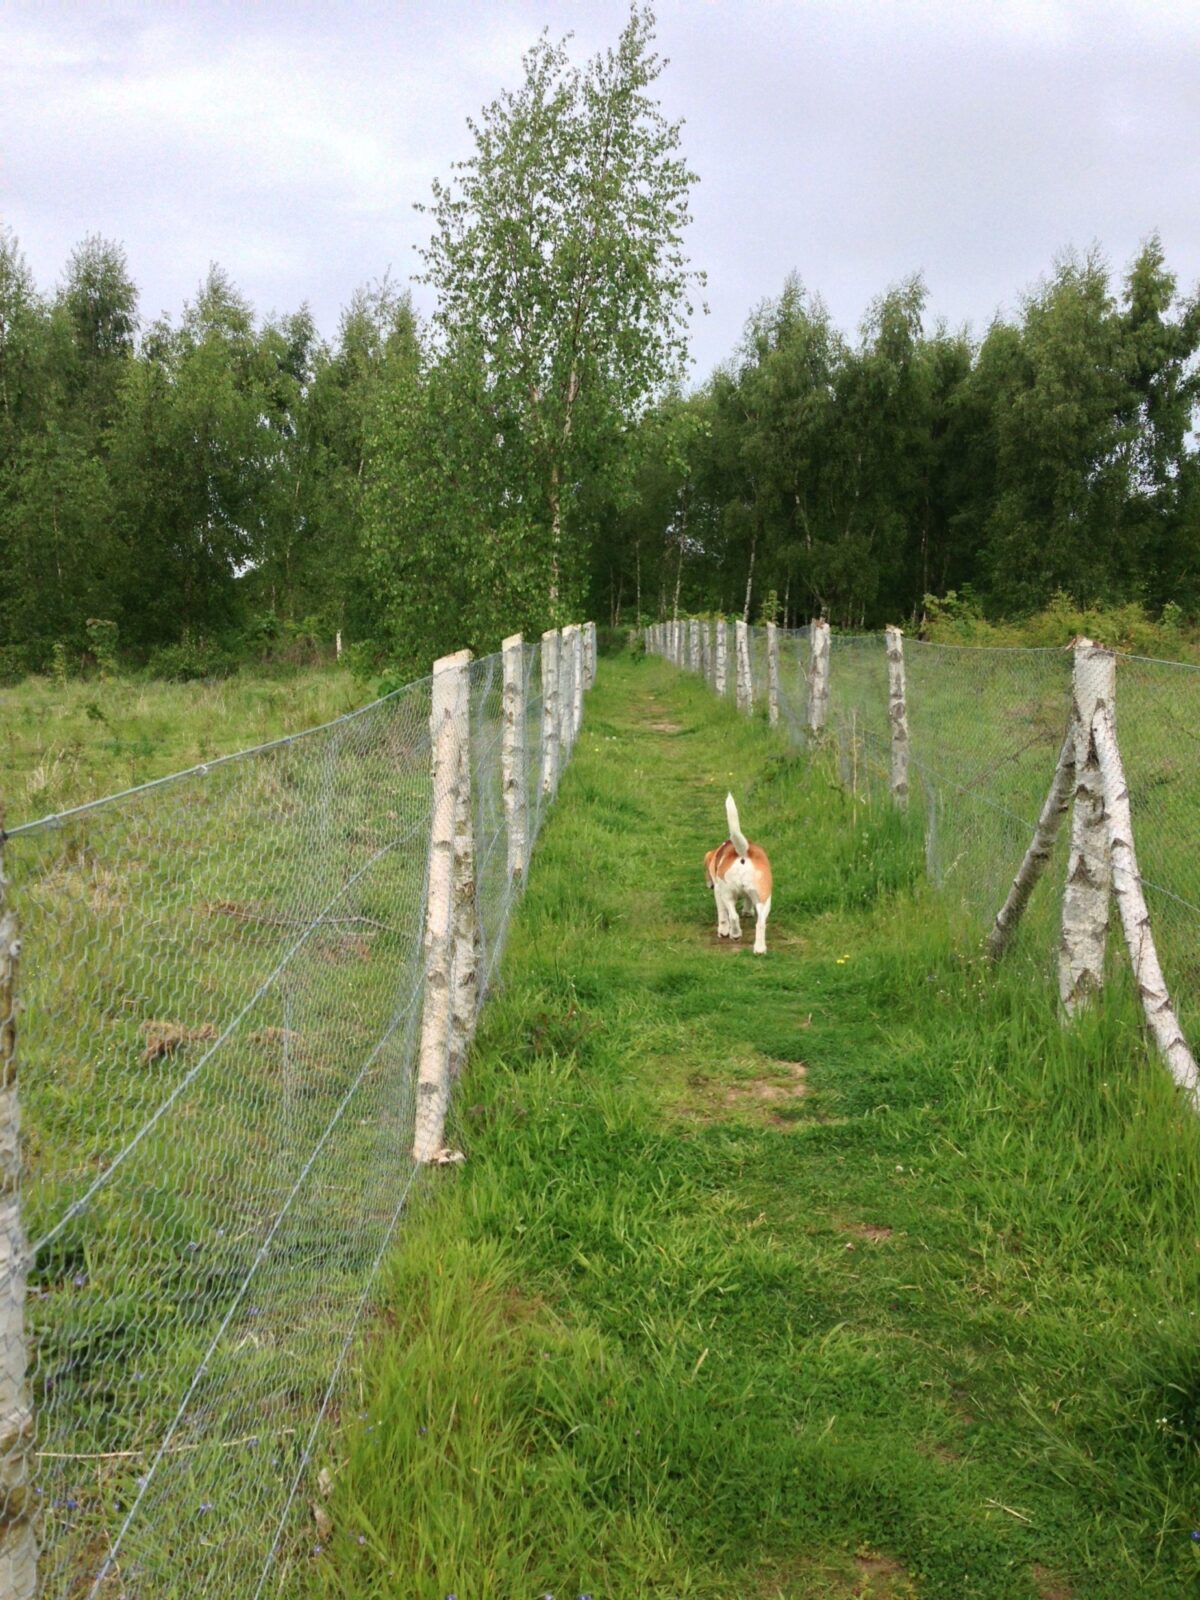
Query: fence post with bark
{"x": 1089, "y": 870}
{"x": 898, "y": 716}
{"x": 448, "y": 737}
{"x": 818, "y": 678}
{"x": 551, "y": 644}
{"x": 745, "y": 683}
{"x": 772, "y": 674}
{"x": 513, "y": 755}
{"x": 721, "y": 664}
{"x": 18, "y": 1544}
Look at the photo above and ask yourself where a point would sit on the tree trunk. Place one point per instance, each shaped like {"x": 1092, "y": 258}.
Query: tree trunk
{"x": 18, "y": 1545}
{"x": 446, "y": 725}
{"x": 750, "y": 579}
{"x": 1089, "y": 873}
{"x": 1135, "y": 918}
{"x": 1054, "y": 809}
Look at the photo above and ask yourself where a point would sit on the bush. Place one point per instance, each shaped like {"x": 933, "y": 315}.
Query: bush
{"x": 190, "y": 660}
{"x": 957, "y": 618}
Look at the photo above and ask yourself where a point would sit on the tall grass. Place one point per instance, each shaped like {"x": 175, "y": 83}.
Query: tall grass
{"x": 846, "y": 1271}
{"x": 62, "y": 744}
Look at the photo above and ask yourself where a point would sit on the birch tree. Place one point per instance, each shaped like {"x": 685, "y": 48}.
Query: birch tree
{"x": 558, "y": 260}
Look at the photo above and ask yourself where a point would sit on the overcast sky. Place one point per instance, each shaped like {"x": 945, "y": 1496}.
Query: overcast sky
{"x": 854, "y": 141}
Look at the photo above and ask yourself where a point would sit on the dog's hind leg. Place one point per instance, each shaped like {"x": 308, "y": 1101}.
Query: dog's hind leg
{"x": 762, "y": 910}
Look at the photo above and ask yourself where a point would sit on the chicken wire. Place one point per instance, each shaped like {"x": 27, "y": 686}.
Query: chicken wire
{"x": 985, "y": 730}
{"x": 221, "y": 986}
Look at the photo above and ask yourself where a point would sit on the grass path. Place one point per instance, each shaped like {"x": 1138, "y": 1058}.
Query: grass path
{"x": 840, "y": 1272}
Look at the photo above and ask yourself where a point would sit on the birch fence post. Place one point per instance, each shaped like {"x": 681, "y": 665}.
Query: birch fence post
{"x": 703, "y": 626}
{"x": 1160, "y": 1015}
{"x": 710, "y": 633}
{"x": 772, "y": 674}
{"x": 1054, "y": 809}
{"x": 721, "y": 669}
{"x": 745, "y": 686}
{"x": 1089, "y": 868}
{"x": 568, "y": 663}
{"x": 550, "y": 671}
{"x": 467, "y": 931}
{"x": 18, "y": 1544}
{"x": 512, "y": 756}
{"x": 898, "y": 716}
{"x": 578, "y": 684}
{"x": 589, "y": 639}
{"x": 450, "y": 691}
{"x": 818, "y": 677}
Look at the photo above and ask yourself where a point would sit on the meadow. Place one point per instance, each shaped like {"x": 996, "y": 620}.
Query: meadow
{"x": 66, "y": 742}
{"x": 847, "y": 1271}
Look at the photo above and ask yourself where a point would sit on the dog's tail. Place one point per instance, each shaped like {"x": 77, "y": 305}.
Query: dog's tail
{"x": 736, "y": 837}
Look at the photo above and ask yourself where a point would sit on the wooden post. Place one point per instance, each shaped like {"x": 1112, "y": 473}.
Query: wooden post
{"x": 772, "y": 674}
{"x": 1135, "y": 917}
{"x": 451, "y": 692}
{"x": 1089, "y": 866}
{"x": 551, "y": 649}
{"x": 745, "y": 686}
{"x": 898, "y": 716}
{"x": 512, "y": 755}
{"x": 1054, "y": 809}
{"x": 18, "y": 1544}
{"x": 566, "y": 693}
{"x": 818, "y": 677}
{"x": 578, "y": 674}
{"x": 703, "y": 626}
{"x": 721, "y": 669}
{"x": 591, "y": 654}
{"x": 468, "y": 936}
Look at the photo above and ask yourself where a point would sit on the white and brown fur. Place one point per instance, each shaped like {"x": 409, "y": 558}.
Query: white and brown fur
{"x": 738, "y": 870}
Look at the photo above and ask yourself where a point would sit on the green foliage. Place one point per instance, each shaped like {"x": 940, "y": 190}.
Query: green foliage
{"x": 562, "y": 288}
{"x": 102, "y": 638}
{"x": 1058, "y": 454}
{"x": 958, "y": 619}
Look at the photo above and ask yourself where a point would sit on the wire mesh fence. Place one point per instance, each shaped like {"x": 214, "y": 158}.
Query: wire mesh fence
{"x": 221, "y": 990}
{"x": 985, "y": 729}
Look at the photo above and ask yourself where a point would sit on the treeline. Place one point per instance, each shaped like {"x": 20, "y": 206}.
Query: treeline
{"x": 815, "y": 475}
{"x": 189, "y": 491}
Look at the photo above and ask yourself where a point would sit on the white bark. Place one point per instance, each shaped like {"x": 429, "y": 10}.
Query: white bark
{"x": 772, "y": 673}
{"x": 18, "y": 1544}
{"x": 551, "y": 649}
{"x": 721, "y": 669}
{"x": 818, "y": 677}
{"x": 745, "y": 688}
{"x": 703, "y": 627}
{"x": 1135, "y": 917}
{"x": 710, "y": 633}
{"x": 1054, "y": 809}
{"x": 568, "y": 678}
{"x": 468, "y": 938}
{"x": 450, "y": 696}
{"x": 1089, "y": 873}
{"x": 578, "y": 684}
{"x": 898, "y": 716}
{"x": 590, "y": 637}
{"x": 513, "y": 757}
{"x": 693, "y": 645}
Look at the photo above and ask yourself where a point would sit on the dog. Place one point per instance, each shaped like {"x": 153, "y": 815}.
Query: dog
{"x": 738, "y": 870}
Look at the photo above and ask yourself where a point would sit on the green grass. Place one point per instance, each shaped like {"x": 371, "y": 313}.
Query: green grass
{"x": 64, "y": 744}
{"x": 926, "y": 1328}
